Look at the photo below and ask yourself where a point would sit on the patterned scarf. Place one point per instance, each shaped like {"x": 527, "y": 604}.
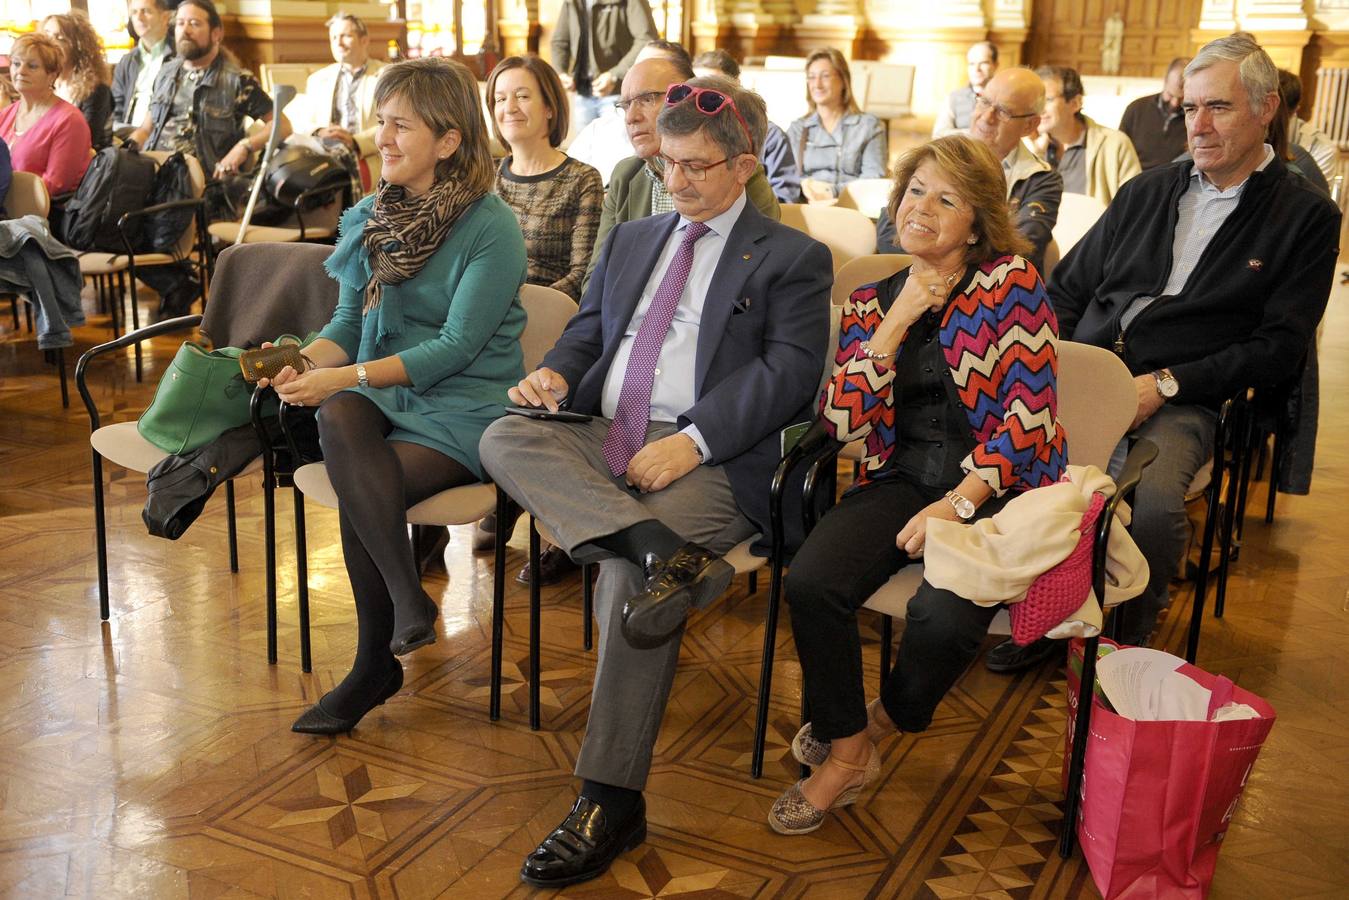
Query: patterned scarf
{"x": 404, "y": 232}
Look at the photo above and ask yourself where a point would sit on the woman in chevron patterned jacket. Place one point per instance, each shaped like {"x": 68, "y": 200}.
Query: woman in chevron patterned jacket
{"x": 947, "y": 372}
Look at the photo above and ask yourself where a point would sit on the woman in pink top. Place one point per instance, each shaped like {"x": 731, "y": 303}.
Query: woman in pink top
{"x": 46, "y": 135}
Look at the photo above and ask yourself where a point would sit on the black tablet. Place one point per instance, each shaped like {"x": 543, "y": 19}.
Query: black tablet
{"x": 535, "y": 412}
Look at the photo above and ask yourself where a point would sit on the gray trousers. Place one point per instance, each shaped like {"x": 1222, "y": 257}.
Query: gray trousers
{"x": 1184, "y": 438}
{"x": 557, "y": 472}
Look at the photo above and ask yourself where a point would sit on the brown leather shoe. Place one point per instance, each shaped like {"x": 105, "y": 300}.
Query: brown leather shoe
{"x": 554, "y": 565}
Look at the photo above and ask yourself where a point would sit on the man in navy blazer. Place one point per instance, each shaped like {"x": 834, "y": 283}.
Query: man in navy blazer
{"x": 701, "y": 335}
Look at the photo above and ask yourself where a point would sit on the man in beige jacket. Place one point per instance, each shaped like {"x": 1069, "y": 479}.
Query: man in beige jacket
{"x": 1093, "y": 159}
{"x": 341, "y": 97}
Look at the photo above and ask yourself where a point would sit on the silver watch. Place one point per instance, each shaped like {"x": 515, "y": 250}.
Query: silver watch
{"x": 361, "y": 379}
{"x": 1167, "y": 385}
{"x": 963, "y": 506}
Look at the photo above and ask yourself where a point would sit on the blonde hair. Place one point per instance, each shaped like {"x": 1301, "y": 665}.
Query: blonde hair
{"x": 839, "y": 62}
{"x": 445, "y": 95}
{"x": 978, "y": 179}
{"x": 36, "y": 44}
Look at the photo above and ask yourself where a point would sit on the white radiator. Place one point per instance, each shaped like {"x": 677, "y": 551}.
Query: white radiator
{"x": 1331, "y": 112}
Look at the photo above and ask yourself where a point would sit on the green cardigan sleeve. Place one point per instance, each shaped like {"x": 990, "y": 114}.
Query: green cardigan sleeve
{"x": 481, "y": 298}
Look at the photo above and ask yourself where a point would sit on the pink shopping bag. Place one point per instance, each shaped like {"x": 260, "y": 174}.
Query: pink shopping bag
{"x": 1157, "y": 797}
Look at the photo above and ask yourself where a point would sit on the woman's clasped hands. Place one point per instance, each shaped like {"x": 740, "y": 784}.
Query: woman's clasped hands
{"x": 308, "y": 388}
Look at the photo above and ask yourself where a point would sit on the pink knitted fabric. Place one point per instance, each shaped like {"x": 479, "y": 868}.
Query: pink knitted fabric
{"x": 1057, "y": 593}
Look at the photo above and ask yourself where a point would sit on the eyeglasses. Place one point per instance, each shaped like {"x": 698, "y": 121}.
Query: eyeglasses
{"x": 693, "y": 171}
{"x": 640, "y": 101}
{"x": 709, "y": 103}
{"x": 1000, "y": 112}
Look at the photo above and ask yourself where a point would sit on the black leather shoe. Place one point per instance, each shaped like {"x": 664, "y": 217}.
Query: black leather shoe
{"x": 554, "y": 565}
{"x": 690, "y": 579}
{"x": 583, "y": 846}
{"x": 317, "y": 720}
{"x": 1007, "y": 657}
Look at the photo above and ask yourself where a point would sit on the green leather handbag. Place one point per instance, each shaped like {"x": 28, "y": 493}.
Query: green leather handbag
{"x": 202, "y": 395}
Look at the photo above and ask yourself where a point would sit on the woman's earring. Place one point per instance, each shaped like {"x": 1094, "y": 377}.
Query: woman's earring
{"x": 972, "y": 239}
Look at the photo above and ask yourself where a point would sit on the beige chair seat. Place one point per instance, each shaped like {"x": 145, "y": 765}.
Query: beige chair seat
{"x": 892, "y": 599}
{"x": 455, "y": 506}
{"x": 846, "y": 232}
{"x": 122, "y": 444}
{"x": 867, "y": 195}
{"x": 744, "y": 561}
{"x": 98, "y": 263}
{"x": 266, "y": 234}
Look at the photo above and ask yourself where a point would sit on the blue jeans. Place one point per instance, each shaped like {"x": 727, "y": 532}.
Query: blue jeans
{"x": 586, "y": 109}
{"x": 1184, "y": 438}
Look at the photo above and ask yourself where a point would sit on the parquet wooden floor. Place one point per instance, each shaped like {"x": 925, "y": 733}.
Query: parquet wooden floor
{"x": 151, "y": 756}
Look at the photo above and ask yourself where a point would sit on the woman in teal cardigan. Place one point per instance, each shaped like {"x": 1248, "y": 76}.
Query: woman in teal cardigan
{"x": 416, "y": 361}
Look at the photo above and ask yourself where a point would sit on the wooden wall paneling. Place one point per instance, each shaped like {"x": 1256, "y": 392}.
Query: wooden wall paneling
{"x": 1069, "y": 33}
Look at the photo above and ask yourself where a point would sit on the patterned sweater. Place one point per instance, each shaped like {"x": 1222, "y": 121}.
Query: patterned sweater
{"x": 1000, "y": 340}
{"x": 559, "y": 213}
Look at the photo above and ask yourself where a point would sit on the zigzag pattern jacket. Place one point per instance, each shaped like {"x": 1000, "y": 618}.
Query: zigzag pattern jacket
{"x": 999, "y": 337}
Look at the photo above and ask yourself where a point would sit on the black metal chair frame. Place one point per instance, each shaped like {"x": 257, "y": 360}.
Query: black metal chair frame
{"x": 168, "y": 326}
{"x": 1232, "y": 455}
{"x": 535, "y": 610}
{"x": 205, "y": 264}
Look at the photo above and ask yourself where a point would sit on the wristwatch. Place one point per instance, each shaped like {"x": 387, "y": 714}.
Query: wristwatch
{"x": 1167, "y": 385}
{"x": 361, "y": 379}
{"x": 962, "y": 505}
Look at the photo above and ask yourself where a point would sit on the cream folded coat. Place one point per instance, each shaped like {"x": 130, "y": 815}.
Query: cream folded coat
{"x": 994, "y": 560}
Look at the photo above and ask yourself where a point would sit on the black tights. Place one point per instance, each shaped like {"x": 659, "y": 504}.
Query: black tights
{"x": 376, "y": 481}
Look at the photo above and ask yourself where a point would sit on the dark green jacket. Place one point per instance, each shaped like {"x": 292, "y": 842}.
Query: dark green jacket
{"x": 619, "y": 29}
{"x": 629, "y": 197}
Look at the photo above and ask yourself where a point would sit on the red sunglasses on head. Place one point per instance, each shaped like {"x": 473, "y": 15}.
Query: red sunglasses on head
{"x": 709, "y": 102}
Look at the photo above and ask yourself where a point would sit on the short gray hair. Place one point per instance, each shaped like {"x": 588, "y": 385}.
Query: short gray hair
{"x": 723, "y": 128}
{"x": 1259, "y": 76}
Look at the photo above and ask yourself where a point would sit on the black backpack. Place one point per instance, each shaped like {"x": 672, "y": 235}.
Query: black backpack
{"x": 159, "y": 232}
{"x": 117, "y": 182}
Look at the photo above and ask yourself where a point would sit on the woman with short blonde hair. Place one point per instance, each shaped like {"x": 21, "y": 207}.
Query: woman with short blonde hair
{"x": 46, "y": 135}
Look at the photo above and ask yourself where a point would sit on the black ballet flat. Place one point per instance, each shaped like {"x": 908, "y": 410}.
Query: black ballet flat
{"x": 416, "y": 634}
{"x": 317, "y": 720}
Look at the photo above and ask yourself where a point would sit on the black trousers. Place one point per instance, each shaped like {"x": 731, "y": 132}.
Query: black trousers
{"x": 850, "y": 553}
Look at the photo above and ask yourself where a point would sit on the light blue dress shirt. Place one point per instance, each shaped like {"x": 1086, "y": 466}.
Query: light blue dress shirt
{"x": 1200, "y": 212}
{"x": 672, "y": 388}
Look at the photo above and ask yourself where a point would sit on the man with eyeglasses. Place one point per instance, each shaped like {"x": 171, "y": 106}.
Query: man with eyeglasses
{"x": 1007, "y": 112}
{"x": 604, "y": 142}
{"x": 702, "y": 335}
{"x": 638, "y": 188}
{"x": 1091, "y": 158}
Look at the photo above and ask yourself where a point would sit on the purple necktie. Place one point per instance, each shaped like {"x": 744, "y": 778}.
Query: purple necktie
{"x": 627, "y": 432}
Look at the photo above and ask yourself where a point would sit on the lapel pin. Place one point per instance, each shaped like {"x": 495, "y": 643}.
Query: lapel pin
{"x": 1255, "y": 264}
{"x": 746, "y": 256}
